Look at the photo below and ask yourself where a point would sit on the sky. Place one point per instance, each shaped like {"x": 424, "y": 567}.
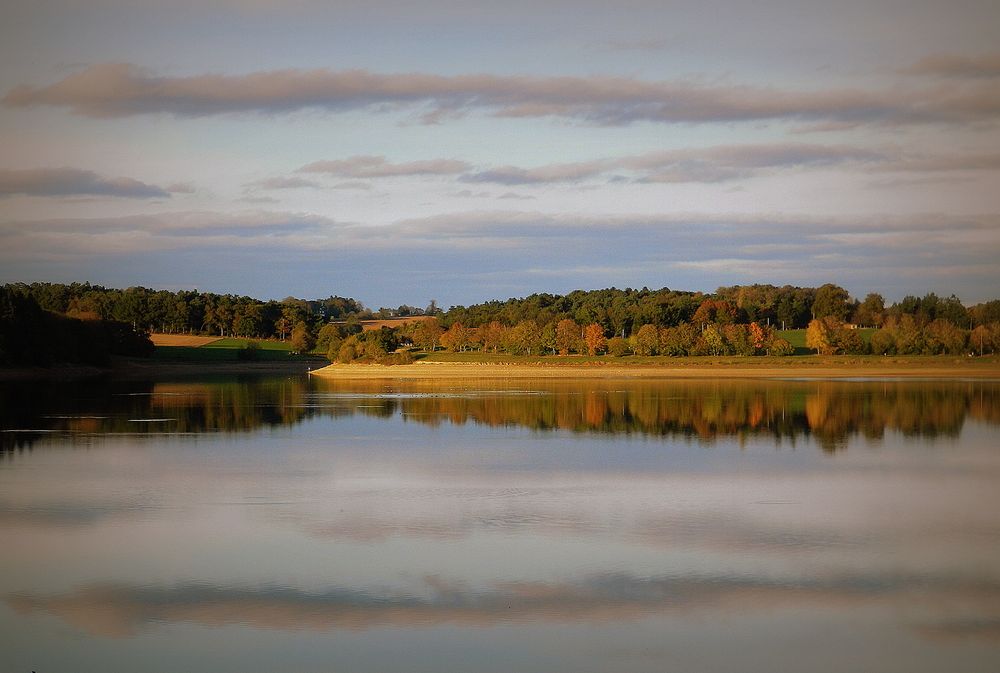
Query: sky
{"x": 398, "y": 152}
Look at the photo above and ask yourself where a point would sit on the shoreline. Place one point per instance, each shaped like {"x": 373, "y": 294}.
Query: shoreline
{"x": 804, "y": 370}
{"x": 139, "y": 369}
{"x": 798, "y": 368}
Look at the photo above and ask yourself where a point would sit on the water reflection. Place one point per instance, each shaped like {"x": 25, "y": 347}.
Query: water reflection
{"x": 829, "y": 412}
{"x": 373, "y": 526}
{"x": 116, "y": 610}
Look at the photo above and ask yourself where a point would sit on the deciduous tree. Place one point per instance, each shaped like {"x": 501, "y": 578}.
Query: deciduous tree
{"x": 303, "y": 340}
{"x": 567, "y": 336}
{"x": 594, "y": 337}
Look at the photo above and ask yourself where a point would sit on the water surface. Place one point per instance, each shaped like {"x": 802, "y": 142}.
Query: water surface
{"x": 297, "y": 525}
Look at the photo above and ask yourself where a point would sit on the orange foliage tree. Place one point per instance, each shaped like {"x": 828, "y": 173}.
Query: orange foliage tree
{"x": 594, "y": 337}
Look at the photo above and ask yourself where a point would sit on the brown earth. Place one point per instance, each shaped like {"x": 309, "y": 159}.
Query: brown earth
{"x": 367, "y": 325}
{"x": 181, "y": 340}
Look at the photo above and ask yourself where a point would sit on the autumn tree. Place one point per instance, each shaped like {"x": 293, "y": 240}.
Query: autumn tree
{"x": 524, "y": 338}
{"x": 427, "y": 333}
{"x": 457, "y": 338}
{"x": 713, "y": 311}
{"x": 941, "y": 336}
{"x": 593, "y": 337}
{"x": 759, "y": 337}
{"x": 646, "y": 341}
{"x": 738, "y": 339}
{"x": 818, "y": 337}
{"x": 679, "y": 340}
{"x": 490, "y": 336}
{"x": 711, "y": 341}
{"x": 780, "y": 347}
{"x": 567, "y": 336}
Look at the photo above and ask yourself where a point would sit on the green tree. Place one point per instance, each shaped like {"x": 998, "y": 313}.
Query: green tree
{"x": 883, "y": 342}
{"x": 711, "y": 341}
{"x": 618, "y": 347}
{"x": 871, "y": 311}
{"x": 303, "y": 340}
{"x": 647, "y": 340}
{"x": 679, "y": 341}
{"x": 547, "y": 343}
{"x": 247, "y": 320}
{"x": 290, "y": 316}
{"x": 831, "y": 301}
{"x": 524, "y": 338}
{"x": 738, "y": 339}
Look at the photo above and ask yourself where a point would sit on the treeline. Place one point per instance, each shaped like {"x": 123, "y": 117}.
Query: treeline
{"x": 737, "y": 320}
{"x": 33, "y": 336}
{"x": 624, "y": 312}
{"x": 191, "y": 311}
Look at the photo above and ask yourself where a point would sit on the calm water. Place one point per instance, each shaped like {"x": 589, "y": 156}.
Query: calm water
{"x": 307, "y": 526}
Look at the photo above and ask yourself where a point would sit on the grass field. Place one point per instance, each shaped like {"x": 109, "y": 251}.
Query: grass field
{"x": 229, "y": 349}
{"x": 797, "y": 337}
{"x": 283, "y": 346}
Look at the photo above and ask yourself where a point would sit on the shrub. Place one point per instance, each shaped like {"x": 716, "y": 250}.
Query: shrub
{"x": 618, "y": 347}
{"x": 249, "y": 352}
{"x": 780, "y": 347}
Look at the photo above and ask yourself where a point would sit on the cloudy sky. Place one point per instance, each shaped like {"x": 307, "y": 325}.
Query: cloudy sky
{"x": 462, "y": 151}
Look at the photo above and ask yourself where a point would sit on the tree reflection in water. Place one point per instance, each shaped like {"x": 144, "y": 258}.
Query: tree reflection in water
{"x": 829, "y": 412}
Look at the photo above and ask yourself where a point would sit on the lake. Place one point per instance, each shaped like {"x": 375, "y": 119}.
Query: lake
{"x": 287, "y": 524}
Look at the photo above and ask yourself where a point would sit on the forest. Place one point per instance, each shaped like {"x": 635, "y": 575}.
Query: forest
{"x": 81, "y": 322}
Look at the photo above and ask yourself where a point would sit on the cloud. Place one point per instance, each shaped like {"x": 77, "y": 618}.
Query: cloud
{"x": 73, "y": 182}
{"x": 707, "y": 164}
{"x": 946, "y": 162}
{"x": 480, "y": 253}
{"x": 642, "y": 44}
{"x": 380, "y": 167}
{"x": 283, "y": 183}
{"x": 163, "y": 232}
{"x": 953, "y": 66}
{"x": 120, "y": 89}
{"x": 353, "y": 184}
{"x": 513, "y": 175}
{"x": 729, "y": 162}
{"x": 258, "y": 199}
{"x": 181, "y": 188}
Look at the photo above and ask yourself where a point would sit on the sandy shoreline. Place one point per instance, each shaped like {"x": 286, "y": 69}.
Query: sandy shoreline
{"x": 820, "y": 370}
